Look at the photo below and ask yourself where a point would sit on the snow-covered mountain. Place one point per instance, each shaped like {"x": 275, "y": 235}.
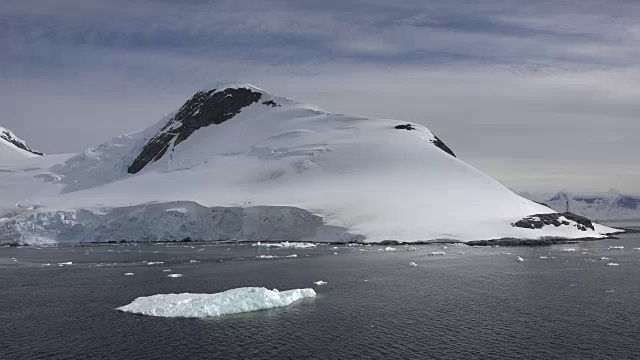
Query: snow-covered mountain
{"x": 236, "y": 162}
{"x": 14, "y": 148}
{"x": 611, "y": 206}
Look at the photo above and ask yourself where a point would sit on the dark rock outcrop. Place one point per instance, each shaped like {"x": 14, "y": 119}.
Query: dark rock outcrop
{"x": 437, "y": 142}
{"x": 205, "y": 108}
{"x": 539, "y": 221}
{"x": 271, "y": 103}
{"x": 5, "y": 135}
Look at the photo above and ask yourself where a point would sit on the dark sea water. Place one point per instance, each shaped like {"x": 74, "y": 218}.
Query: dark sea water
{"x": 472, "y": 303}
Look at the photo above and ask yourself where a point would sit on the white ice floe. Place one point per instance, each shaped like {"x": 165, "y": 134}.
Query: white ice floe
{"x": 605, "y": 258}
{"x": 232, "y": 301}
{"x": 543, "y": 257}
{"x": 194, "y": 261}
{"x": 437, "y": 253}
{"x": 335, "y": 253}
{"x": 389, "y": 248}
{"x": 616, "y": 247}
{"x": 506, "y": 253}
{"x": 292, "y": 256}
{"x": 155, "y": 262}
{"x": 128, "y": 274}
{"x": 412, "y": 264}
{"x": 320, "y": 283}
{"x": 174, "y": 275}
{"x": 568, "y": 250}
{"x": 518, "y": 258}
{"x": 286, "y": 244}
{"x": 65, "y": 263}
{"x": 613, "y": 264}
{"x": 166, "y": 270}
{"x": 636, "y": 248}
{"x": 266, "y": 257}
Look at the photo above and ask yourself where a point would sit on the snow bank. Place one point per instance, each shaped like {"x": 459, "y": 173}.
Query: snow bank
{"x": 232, "y": 301}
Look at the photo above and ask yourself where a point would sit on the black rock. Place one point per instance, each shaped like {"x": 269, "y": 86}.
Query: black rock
{"x": 539, "y": 221}
{"x": 437, "y": 142}
{"x": 205, "y": 108}
{"x": 405, "y": 127}
{"x": 7, "y": 136}
{"x": 271, "y": 103}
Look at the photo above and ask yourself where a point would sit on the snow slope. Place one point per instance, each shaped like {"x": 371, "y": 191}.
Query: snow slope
{"x": 14, "y": 148}
{"x": 232, "y": 301}
{"x": 239, "y": 147}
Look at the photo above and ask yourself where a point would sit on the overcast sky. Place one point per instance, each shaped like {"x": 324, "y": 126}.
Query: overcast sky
{"x": 542, "y": 95}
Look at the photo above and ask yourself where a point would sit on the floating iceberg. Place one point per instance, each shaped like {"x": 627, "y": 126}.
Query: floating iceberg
{"x": 389, "y": 248}
{"x": 412, "y": 264}
{"x": 65, "y": 263}
{"x": 128, "y": 274}
{"x": 174, "y": 275}
{"x": 543, "y": 257}
{"x": 155, "y": 262}
{"x": 613, "y": 264}
{"x": 286, "y": 244}
{"x": 232, "y": 301}
{"x": 616, "y": 247}
{"x": 319, "y": 283}
{"x": 518, "y": 258}
{"x": 568, "y": 250}
{"x": 437, "y": 253}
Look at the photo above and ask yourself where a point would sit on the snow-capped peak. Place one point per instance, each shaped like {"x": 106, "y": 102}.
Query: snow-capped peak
{"x": 13, "y": 147}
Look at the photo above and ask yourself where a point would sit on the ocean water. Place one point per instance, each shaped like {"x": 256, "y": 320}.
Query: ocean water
{"x": 471, "y": 303}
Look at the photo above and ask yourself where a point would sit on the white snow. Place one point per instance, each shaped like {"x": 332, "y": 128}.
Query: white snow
{"x": 320, "y": 283}
{"x": 232, "y": 301}
{"x": 9, "y": 151}
{"x": 174, "y": 275}
{"x": 294, "y": 173}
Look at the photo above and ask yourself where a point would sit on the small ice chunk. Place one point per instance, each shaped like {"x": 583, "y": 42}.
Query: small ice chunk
{"x": 568, "y": 250}
{"x": 613, "y": 264}
{"x": 65, "y": 263}
{"x": 605, "y": 258}
{"x": 266, "y": 256}
{"x": 286, "y": 244}
{"x": 292, "y": 256}
{"x": 166, "y": 270}
{"x": 334, "y": 248}
{"x": 194, "y": 261}
{"x": 155, "y": 262}
{"x": 437, "y": 253}
{"x": 47, "y": 264}
{"x": 389, "y": 248}
{"x": 128, "y": 274}
{"x": 610, "y": 291}
{"x": 636, "y": 248}
{"x": 543, "y": 257}
{"x": 506, "y": 253}
{"x": 412, "y": 264}
{"x": 335, "y": 253}
{"x": 320, "y": 283}
{"x": 174, "y": 275}
{"x": 616, "y": 247}
{"x": 518, "y": 258}
{"x": 232, "y": 301}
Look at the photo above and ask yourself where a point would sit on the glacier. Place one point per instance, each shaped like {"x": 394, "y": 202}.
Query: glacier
{"x": 234, "y": 301}
{"x": 238, "y": 163}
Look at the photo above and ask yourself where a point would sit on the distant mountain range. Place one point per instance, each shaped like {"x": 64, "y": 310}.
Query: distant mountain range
{"x": 610, "y": 206}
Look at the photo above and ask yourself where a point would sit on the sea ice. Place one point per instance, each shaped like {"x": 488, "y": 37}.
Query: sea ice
{"x": 155, "y": 262}
{"x": 389, "y": 248}
{"x": 568, "y": 250}
{"x": 266, "y": 257}
{"x": 605, "y": 258}
{"x": 613, "y": 264}
{"x": 543, "y": 257}
{"x": 194, "y": 261}
{"x": 174, "y": 275}
{"x": 65, "y": 263}
{"x": 286, "y": 244}
{"x": 437, "y": 253}
{"x": 232, "y": 301}
{"x": 166, "y": 270}
{"x": 292, "y": 256}
{"x": 320, "y": 282}
{"x": 616, "y": 247}
{"x": 128, "y": 274}
{"x": 518, "y": 258}
{"x": 412, "y": 264}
